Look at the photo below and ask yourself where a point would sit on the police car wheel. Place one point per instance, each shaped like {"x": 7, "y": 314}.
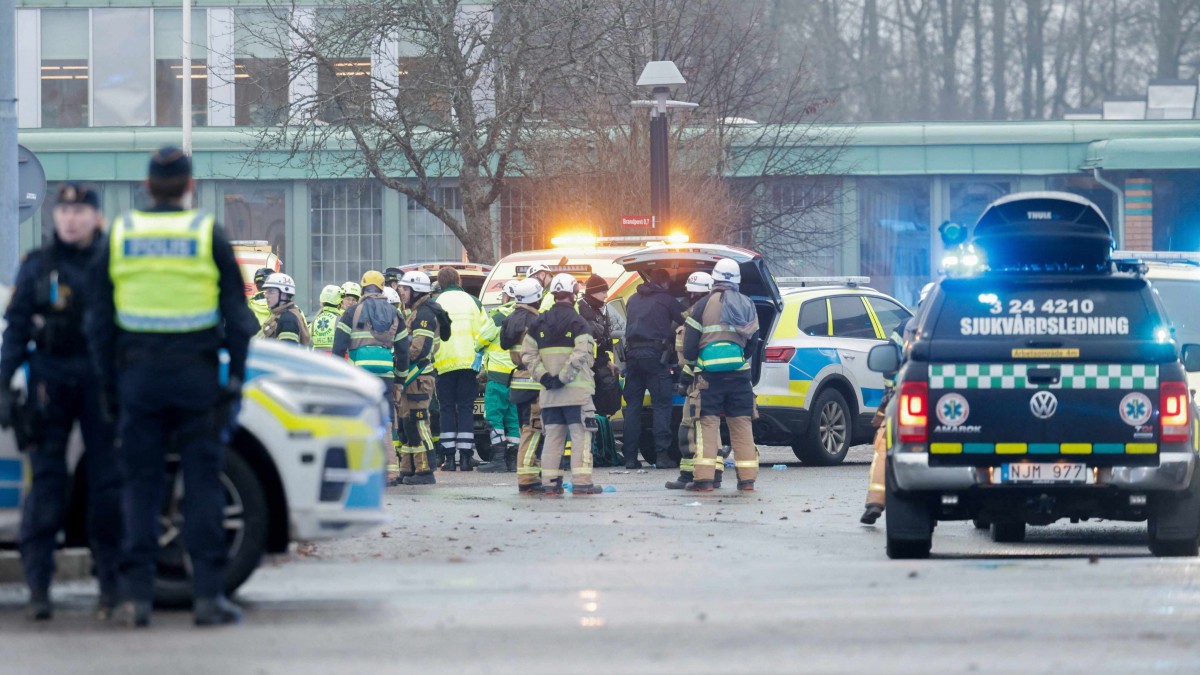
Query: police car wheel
{"x": 245, "y": 524}
{"x": 828, "y": 437}
{"x": 1008, "y": 532}
{"x": 980, "y": 523}
{"x": 909, "y": 523}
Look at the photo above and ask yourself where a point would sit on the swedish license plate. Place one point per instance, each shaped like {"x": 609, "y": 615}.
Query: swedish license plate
{"x": 1031, "y": 472}
{"x": 478, "y": 410}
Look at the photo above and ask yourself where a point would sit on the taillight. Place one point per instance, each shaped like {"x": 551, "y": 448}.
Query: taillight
{"x": 914, "y": 412}
{"x": 1173, "y": 411}
{"x": 779, "y": 354}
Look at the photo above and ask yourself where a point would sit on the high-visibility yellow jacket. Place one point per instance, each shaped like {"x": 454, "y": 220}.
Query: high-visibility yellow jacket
{"x": 466, "y": 322}
{"x": 258, "y": 304}
{"x": 498, "y": 361}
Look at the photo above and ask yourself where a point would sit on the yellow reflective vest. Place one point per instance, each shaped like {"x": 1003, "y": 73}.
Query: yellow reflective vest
{"x": 164, "y": 277}
{"x": 499, "y": 362}
{"x": 466, "y": 322}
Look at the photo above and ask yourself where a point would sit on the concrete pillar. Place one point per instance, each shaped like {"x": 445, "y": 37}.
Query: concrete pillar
{"x": 221, "y": 52}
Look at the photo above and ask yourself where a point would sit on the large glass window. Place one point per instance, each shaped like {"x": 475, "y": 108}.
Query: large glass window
{"x": 894, "y": 235}
{"x": 347, "y": 232}
{"x": 344, "y": 78}
{"x": 168, "y": 67}
{"x": 121, "y": 67}
{"x": 429, "y": 238}
{"x": 968, "y": 198}
{"x": 260, "y": 85}
{"x": 256, "y": 212}
{"x": 64, "y": 68}
{"x": 889, "y": 314}
{"x": 814, "y": 318}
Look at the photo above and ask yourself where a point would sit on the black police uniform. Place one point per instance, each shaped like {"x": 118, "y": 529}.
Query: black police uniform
{"x": 170, "y": 398}
{"x": 46, "y": 310}
{"x": 652, "y": 315}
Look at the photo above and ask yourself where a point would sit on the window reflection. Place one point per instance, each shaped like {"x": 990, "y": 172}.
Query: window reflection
{"x": 168, "y": 67}
{"x": 64, "y": 68}
{"x": 256, "y": 214}
{"x": 894, "y": 235}
{"x": 260, "y": 84}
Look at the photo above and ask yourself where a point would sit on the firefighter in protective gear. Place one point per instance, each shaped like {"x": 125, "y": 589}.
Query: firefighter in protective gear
{"x": 324, "y": 325}
{"x": 720, "y": 333}
{"x": 500, "y": 412}
{"x": 157, "y": 327}
{"x": 286, "y": 323}
{"x": 372, "y": 334}
{"x": 457, "y": 371}
{"x": 523, "y": 389}
{"x": 46, "y": 310}
{"x": 698, "y": 286}
{"x": 417, "y": 387}
{"x": 351, "y": 293}
{"x": 544, "y": 276}
{"x": 876, "y": 486}
{"x": 392, "y": 297}
{"x": 559, "y": 351}
{"x": 258, "y": 302}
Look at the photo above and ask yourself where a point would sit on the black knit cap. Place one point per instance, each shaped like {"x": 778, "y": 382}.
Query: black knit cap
{"x": 170, "y": 162}
{"x": 78, "y": 193}
{"x": 594, "y": 284}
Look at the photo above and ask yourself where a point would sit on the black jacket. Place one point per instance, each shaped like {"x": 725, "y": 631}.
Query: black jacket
{"x": 46, "y": 308}
{"x": 652, "y": 316}
{"x": 109, "y": 343}
{"x": 601, "y": 330}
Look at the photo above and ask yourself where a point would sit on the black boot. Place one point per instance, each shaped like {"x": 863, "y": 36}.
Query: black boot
{"x": 218, "y": 611}
{"x": 664, "y": 461}
{"x": 510, "y": 458}
{"x": 746, "y": 486}
{"x": 587, "y": 489}
{"x": 448, "y": 461}
{"x": 717, "y": 478}
{"x": 871, "y": 514}
{"x": 497, "y": 463}
{"x": 631, "y": 460}
{"x": 106, "y": 605}
{"x": 699, "y": 486}
{"x": 529, "y": 489}
{"x": 420, "y": 479}
{"x": 40, "y": 608}
{"x": 465, "y": 460}
{"x": 680, "y": 483}
{"x": 552, "y": 489}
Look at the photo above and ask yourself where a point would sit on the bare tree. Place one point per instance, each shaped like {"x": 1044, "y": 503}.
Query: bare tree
{"x": 1176, "y": 23}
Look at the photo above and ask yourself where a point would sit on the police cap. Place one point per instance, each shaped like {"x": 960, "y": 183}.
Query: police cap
{"x": 78, "y": 193}
{"x": 170, "y": 162}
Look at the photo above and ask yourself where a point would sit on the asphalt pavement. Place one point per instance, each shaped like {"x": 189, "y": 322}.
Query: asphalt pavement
{"x": 471, "y": 578}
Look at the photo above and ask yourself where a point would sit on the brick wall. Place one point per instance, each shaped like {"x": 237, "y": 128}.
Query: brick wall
{"x": 1139, "y": 214}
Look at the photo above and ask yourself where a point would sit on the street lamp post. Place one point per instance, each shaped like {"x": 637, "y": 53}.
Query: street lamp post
{"x": 661, "y": 75}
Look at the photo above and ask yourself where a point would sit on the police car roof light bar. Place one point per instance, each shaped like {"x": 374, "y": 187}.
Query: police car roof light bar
{"x": 822, "y": 281}
{"x": 1181, "y": 257}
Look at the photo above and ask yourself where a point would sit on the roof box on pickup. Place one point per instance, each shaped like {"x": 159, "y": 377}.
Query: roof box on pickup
{"x": 1044, "y": 231}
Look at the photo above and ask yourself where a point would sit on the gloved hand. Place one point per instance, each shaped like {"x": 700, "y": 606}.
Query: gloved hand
{"x": 685, "y": 383}
{"x": 8, "y": 399}
{"x": 478, "y": 362}
{"x": 550, "y": 382}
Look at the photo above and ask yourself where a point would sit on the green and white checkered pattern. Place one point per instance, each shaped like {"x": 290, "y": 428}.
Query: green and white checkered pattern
{"x": 1012, "y": 376}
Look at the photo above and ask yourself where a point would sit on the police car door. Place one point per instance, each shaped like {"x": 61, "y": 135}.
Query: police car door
{"x": 853, "y": 333}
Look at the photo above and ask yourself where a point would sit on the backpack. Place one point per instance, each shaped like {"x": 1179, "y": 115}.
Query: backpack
{"x": 604, "y": 444}
{"x": 608, "y": 392}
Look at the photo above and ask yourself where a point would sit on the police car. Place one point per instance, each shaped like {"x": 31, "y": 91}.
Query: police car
{"x": 816, "y": 393}
{"x": 1045, "y": 386}
{"x": 307, "y": 463}
{"x": 1175, "y": 276}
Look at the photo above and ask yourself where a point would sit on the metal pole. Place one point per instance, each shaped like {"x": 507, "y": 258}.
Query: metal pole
{"x": 9, "y": 199}
{"x": 187, "y": 77}
{"x": 660, "y": 172}
{"x": 1119, "y": 226}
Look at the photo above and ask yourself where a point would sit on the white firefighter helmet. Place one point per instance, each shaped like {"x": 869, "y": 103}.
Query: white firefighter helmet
{"x": 509, "y": 288}
{"x": 728, "y": 271}
{"x": 391, "y": 295}
{"x": 281, "y": 281}
{"x": 563, "y": 283}
{"x": 536, "y": 268}
{"x": 699, "y": 282}
{"x": 528, "y": 291}
{"x": 416, "y": 280}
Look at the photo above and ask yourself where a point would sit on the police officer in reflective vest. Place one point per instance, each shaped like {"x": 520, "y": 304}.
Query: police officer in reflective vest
{"x": 523, "y": 389}
{"x": 286, "y": 323}
{"x": 559, "y": 351}
{"x": 698, "y": 286}
{"x": 720, "y": 334}
{"x": 168, "y": 300}
{"x": 418, "y": 384}
{"x": 500, "y": 412}
{"x": 258, "y": 301}
{"x": 324, "y": 324}
{"x": 46, "y": 309}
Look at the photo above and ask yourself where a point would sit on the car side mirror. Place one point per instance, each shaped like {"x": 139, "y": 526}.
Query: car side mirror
{"x": 1191, "y": 357}
{"x": 885, "y": 358}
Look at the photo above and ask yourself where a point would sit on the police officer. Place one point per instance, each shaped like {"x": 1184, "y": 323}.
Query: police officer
{"x": 168, "y": 300}
{"x": 351, "y": 293}
{"x": 649, "y": 335}
{"x": 698, "y": 286}
{"x": 391, "y": 278}
{"x": 46, "y": 309}
{"x": 720, "y": 334}
{"x": 258, "y": 301}
{"x": 286, "y": 323}
{"x": 523, "y": 389}
{"x": 500, "y": 412}
{"x": 559, "y": 351}
{"x": 457, "y": 371}
{"x": 418, "y": 385}
{"x": 324, "y": 324}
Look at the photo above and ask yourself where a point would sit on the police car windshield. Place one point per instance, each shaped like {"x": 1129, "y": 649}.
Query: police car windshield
{"x": 1094, "y": 317}
{"x": 1179, "y": 297}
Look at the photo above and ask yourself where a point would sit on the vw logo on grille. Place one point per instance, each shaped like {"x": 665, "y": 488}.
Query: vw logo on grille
{"x": 1043, "y": 404}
